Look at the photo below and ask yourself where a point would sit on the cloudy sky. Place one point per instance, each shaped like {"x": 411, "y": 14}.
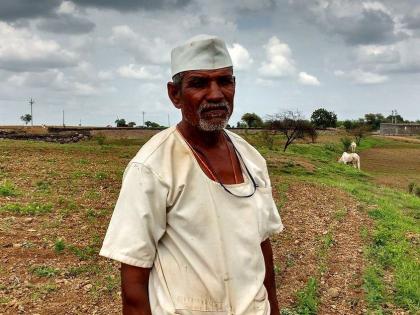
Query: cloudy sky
{"x": 102, "y": 59}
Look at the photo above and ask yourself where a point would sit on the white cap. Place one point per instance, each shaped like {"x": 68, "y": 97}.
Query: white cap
{"x": 202, "y": 52}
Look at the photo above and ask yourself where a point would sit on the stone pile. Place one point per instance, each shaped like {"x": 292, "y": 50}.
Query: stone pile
{"x": 68, "y": 137}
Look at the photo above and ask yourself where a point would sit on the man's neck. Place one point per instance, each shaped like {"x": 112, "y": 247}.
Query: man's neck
{"x": 200, "y": 138}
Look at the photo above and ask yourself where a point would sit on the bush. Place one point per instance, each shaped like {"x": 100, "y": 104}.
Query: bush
{"x": 100, "y": 139}
{"x": 411, "y": 188}
{"x": 268, "y": 138}
{"x": 8, "y": 189}
{"x": 346, "y": 141}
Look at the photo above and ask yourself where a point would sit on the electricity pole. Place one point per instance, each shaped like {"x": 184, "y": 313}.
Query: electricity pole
{"x": 31, "y": 102}
{"x": 63, "y": 119}
{"x": 143, "y": 118}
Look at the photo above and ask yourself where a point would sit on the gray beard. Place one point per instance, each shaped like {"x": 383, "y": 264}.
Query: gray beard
{"x": 208, "y": 126}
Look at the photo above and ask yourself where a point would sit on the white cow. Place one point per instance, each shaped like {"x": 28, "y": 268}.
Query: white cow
{"x": 353, "y": 147}
{"x": 352, "y": 158}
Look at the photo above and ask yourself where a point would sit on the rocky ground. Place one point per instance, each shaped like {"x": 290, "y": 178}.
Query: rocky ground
{"x": 57, "y": 205}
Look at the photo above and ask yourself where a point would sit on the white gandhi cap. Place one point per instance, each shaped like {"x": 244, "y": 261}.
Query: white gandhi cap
{"x": 202, "y": 52}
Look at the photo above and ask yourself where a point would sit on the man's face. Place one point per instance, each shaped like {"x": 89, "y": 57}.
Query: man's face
{"x": 206, "y": 98}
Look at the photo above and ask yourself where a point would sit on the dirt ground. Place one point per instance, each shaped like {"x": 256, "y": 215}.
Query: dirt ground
{"x": 49, "y": 262}
{"x": 394, "y": 166}
{"x": 322, "y": 239}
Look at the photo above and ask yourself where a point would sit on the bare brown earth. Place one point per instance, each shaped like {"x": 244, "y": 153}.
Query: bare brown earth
{"x": 322, "y": 236}
{"x": 322, "y": 239}
{"x": 394, "y": 166}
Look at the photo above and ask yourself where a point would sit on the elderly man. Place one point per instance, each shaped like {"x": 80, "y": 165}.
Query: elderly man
{"x": 192, "y": 223}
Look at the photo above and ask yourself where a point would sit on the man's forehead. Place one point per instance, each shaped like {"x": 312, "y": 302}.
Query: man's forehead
{"x": 207, "y": 73}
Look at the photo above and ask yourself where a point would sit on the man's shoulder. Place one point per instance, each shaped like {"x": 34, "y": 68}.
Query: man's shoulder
{"x": 154, "y": 147}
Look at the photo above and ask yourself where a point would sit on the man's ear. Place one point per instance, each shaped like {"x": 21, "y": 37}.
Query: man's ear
{"x": 174, "y": 93}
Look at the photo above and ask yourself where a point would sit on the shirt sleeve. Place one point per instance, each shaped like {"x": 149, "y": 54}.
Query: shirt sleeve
{"x": 138, "y": 220}
{"x": 272, "y": 223}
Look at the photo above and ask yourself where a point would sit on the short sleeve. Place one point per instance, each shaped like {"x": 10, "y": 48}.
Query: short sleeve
{"x": 272, "y": 224}
{"x": 138, "y": 220}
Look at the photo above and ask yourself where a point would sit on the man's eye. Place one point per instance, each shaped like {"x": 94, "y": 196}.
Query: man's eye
{"x": 225, "y": 81}
{"x": 198, "y": 83}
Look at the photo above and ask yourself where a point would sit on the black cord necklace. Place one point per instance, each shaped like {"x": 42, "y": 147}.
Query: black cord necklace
{"x": 217, "y": 176}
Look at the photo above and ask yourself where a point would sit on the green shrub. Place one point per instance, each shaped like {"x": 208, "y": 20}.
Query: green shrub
{"x": 59, "y": 245}
{"x": 346, "y": 141}
{"x": 307, "y": 298}
{"x": 411, "y": 188}
{"x": 100, "y": 139}
{"x": 45, "y": 271}
{"x": 7, "y": 189}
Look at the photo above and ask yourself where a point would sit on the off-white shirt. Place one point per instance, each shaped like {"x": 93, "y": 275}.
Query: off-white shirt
{"x": 203, "y": 244}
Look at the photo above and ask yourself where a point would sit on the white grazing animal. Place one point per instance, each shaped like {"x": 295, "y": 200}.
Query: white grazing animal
{"x": 353, "y": 147}
{"x": 352, "y": 158}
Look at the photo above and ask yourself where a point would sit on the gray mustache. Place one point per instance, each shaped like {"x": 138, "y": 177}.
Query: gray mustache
{"x": 209, "y": 106}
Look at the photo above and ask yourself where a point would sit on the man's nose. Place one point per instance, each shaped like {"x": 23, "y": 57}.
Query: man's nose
{"x": 215, "y": 93}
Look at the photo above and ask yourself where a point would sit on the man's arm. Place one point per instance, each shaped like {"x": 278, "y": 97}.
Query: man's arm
{"x": 270, "y": 280}
{"x": 134, "y": 290}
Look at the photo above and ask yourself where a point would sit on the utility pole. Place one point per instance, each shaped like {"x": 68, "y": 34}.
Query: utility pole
{"x": 63, "y": 119}
{"x": 143, "y": 118}
{"x": 31, "y": 102}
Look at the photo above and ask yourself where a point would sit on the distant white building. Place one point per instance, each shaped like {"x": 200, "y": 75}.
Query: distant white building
{"x": 389, "y": 129}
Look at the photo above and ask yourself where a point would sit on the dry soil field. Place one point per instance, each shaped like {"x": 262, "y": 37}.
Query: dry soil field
{"x": 56, "y": 201}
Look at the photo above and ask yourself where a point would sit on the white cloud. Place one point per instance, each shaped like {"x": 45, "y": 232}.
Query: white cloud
{"x": 122, "y": 32}
{"x": 279, "y": 60}
{"x": 66, "y": 7}
{"x": 22, "y": 51}
{"x": 264, "y": 82}
{"x": 155, "y": 50}
{"x": 376, "y": 6}
{"x": 105, "y": 75}
{"x": 362, "y": 77}
{"x": 308, "y": 79}
{"x": 133, "y": 71}
{"x": 377, "y": 54}
{"x": 240, "y": 57}
{"x": 53, "y": 80}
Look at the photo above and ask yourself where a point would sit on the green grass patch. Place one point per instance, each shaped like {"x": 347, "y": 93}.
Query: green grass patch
{"x": 43, "y": 186}
{"x": 83, "y": 253}
{"x": 45, "y": 271}
{"x": 28, "y": 209}
{"x": 59, "y": 245}
{"x": 395, "y": 214}
{"x": 7, "y": 189}
{"x": 307, "y": 298}
{"x": 90, "y": 269}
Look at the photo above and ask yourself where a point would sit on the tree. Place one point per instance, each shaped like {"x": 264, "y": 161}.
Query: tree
{"x": 131, "y": 124}
{"x": 396, "y": 119}
{"x": 292, "y": 125}
{"x": 322, "y": 118}
{"x": 121, "y": 122}
{"x": 359, "y": 133}
{"x": 252, "y": 120}
{"x": 241, "y": 125}
{"x": 151, "y": 124}
{"x": 374, "y": 120}
{"x": 26, "y": 118}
